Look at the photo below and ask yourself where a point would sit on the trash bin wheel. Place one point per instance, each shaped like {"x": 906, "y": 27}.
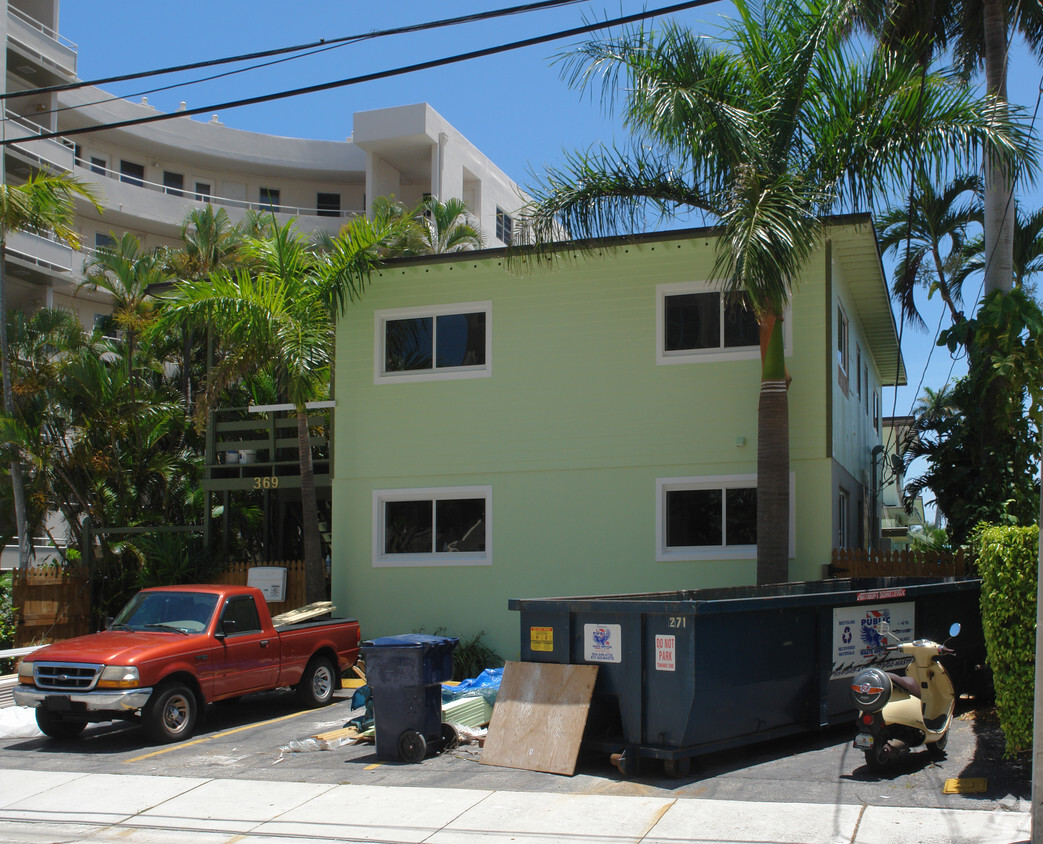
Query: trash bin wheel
{"x": 450, "y": 737}
{"x": 677, "y": 768}
{"x": 412, "y": 746}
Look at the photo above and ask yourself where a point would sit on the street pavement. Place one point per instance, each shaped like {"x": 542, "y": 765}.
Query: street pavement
{"x": 239, "y": 779}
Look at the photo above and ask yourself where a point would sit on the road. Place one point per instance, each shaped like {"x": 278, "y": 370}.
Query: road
{"x": 250, "y": 740}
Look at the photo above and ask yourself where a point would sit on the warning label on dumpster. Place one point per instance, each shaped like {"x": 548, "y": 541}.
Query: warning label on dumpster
{"x": 541, "y": 639}
{"x": 858, "y": 638}
{"x": 603, "y": 642}
{"x": 665, "y": 653}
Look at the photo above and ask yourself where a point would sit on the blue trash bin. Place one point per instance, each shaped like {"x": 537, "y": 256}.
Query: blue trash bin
{"x": 405, "y": 674}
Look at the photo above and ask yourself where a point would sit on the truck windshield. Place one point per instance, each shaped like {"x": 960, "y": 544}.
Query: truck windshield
{"x": 178, "y": 612}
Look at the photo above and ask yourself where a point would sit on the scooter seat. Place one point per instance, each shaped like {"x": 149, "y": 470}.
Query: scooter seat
{"x": 904, "y": 681}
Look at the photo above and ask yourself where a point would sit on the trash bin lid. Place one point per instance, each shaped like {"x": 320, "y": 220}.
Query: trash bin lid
{"x": 410, "y": 640}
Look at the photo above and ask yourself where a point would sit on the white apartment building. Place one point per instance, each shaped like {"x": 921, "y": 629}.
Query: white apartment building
{"x": 148, "y": 177}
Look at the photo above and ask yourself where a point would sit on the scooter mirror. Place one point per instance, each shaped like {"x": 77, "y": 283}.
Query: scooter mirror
{"x": 885, "y": 628}
{"x": 955, "y": 629}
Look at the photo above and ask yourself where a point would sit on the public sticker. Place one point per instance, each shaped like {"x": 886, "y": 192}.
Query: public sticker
{"x": 665, "y": 653}
{"x": 541, "y": 639}
{"x": 603, "y": 642}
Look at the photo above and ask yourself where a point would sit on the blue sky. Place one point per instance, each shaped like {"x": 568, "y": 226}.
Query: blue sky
{"x": 514, "y": 106}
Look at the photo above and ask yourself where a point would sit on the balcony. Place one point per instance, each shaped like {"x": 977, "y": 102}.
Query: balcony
{"x": 145, "y": 200}
{"x": 55, "y": 154}
{"x": 39, "y": 42}
{"x": 40, "y": 252}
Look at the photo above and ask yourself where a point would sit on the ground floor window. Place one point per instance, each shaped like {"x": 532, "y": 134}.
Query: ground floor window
{"x": 710, "y": 517}
{"x": 443, "y": 526}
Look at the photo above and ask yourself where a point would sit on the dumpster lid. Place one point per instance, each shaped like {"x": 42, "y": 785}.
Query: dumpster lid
{"x": 409, "y": 640}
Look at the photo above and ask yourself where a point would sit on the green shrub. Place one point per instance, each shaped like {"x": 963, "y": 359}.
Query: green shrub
{"x": 7, "y": 621}
{"x": 1007, "y": 563}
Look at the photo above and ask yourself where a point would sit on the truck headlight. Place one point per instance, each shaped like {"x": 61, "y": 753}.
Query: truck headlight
{"x": 25, "y": 673}
{"x": 118, "y": 677}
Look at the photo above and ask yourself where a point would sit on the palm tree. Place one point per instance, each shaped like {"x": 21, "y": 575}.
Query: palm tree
{"x": 978, "y": 33}
{"x": 278, "y": 315}
{"x": 209, "y": 241}
{"x": 930, "y": 237}
{"x": 42, "y": 203}
{"x": 1027, "y": 253}
{"x": 449, "y": 227}
{"x": 764, "y": 132}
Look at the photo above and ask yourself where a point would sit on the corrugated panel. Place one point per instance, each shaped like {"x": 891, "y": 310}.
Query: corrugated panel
{"x": 7, "y": 685}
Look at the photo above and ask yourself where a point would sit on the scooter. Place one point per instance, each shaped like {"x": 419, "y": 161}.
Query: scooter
{"x": 898, "y": 712}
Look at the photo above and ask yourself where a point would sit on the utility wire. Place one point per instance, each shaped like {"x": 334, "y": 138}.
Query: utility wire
{"x": 370, "y": 77}
{"x": 381, "y": 33}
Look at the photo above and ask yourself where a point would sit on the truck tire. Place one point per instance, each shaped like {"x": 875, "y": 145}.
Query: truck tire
{"x": 53, "y": 726}
{"x": 318, "y": 682}
{"x": 171, "y": 713}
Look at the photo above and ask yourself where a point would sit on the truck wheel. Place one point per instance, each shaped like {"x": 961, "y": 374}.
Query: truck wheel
{"x": 317, "y": 683}
{"x": 51, "y": 725}
{"x": 171, "y": 713}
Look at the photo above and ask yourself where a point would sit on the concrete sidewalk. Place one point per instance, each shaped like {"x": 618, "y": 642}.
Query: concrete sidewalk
{"x": 38, "y": 806}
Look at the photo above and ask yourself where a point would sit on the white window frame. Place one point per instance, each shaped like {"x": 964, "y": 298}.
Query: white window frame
{"x": 843, "y": 338}
{"x": 664, "y": 357}
{"x": 381, "y": 318}
{"x": 461, "y": 558}
{"x": 665, "y": 554}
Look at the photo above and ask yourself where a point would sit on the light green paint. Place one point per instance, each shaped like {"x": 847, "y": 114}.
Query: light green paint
{"x": 571, "y": 431}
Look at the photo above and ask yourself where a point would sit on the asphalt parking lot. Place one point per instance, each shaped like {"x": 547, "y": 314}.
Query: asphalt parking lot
{"x": 251, "y": 740}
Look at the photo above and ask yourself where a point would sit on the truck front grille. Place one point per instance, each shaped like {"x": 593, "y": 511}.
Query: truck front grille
{"x": 66, "y": 676}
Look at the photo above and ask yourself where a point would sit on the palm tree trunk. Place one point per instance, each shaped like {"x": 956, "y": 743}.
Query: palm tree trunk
{"x": 773, "y": 504}
{"x": 314, "y": 568}
{"x": 999, "y": 205}
{"x": 17, "y": 479}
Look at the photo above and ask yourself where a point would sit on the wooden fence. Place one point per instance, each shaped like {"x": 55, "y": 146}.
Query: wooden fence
{"x": 859, "y": 562}
{"x": 51, "y": 605}
{"x": 237, "y": 574}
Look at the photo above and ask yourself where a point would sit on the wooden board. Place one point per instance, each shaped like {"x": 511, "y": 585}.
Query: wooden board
{"x": 303, "y": 613}
{"x": 541, "y": 710}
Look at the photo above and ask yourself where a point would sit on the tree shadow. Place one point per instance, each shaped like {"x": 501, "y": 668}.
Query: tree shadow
{"x": 1004, "y": 776}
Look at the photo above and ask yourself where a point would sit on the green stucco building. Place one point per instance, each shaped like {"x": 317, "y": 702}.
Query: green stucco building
{"x": 511, "y": 428}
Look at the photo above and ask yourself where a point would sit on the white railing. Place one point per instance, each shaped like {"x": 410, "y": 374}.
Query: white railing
{"x": 17, "y": 127}
{"x": 214, "y": 199}
{"x": 42, "y": 28}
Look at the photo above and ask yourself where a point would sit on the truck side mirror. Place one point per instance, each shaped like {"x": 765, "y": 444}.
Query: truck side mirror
{"x": 228, "y": 627}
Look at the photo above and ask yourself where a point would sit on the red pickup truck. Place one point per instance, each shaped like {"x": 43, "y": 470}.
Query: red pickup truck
{"x": 174, "y": 649}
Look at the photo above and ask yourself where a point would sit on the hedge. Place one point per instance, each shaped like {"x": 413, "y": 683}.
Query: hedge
{"x": 1007, "y": 562}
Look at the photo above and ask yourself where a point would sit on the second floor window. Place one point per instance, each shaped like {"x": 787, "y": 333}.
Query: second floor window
{"x": 504, "y": 227}
{"x": 443, "y": 341}
{"x": 173, "y": 183}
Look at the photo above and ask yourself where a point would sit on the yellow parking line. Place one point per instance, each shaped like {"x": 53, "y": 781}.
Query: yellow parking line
{"x": 215, "y": 736}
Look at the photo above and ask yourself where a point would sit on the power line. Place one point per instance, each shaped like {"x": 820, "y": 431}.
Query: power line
{"x": 370, "y": 77}
{"x": 322, "y": 42}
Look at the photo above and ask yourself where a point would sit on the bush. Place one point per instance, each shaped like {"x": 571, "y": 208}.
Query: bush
{"x": 1007, "y": 563}
{"x": 7, "y": 621}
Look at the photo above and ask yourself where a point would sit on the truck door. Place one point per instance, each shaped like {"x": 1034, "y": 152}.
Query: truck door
{"x": 247, "y": 657}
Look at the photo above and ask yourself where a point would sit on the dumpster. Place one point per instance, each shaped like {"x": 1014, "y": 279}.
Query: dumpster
{"x": 405, "y": 674}
{"x": 692, "y": 672}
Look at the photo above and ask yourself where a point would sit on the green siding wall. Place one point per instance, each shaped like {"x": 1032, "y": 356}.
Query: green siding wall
{"x": 571, "y": 431}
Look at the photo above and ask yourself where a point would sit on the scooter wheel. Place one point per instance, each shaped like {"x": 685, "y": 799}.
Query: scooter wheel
{"x": 938, "y": 748}
{"x": 878, "y": 757}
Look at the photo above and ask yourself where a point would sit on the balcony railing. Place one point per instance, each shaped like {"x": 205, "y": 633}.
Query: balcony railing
{"x": 39, "y": 40}
{"x": 40, "y": 27}
{"x": 55, "y": 152}
{"x": 214, "y": 199}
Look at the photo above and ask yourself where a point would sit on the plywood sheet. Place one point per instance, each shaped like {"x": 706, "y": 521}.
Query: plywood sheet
{"x": 541, "y": 711}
